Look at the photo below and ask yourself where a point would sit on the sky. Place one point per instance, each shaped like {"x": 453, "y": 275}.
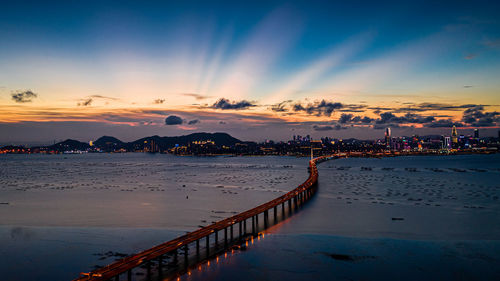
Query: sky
{"x": 255, "y": 69}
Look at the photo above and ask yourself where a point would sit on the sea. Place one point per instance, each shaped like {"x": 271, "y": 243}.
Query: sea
{"x": 410, "y": 217}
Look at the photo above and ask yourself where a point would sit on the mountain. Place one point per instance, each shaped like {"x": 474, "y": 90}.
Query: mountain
{"x": 219, "y": 139}
{"x": 70, "y": 144}
{"x": 107, "y": 140}
{"x": 108, "y": 143}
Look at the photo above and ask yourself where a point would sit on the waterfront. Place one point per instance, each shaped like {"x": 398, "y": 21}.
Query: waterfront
{"x": 444, "y": 203}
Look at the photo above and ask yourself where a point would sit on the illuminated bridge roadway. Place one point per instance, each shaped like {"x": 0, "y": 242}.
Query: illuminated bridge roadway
{"x": 158, "y": 255}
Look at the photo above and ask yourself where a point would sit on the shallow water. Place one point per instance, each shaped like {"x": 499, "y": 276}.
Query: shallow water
{"x": 371, "y": 219}
{"x": 61, "y": 214}
{"x": 411, "y": 218}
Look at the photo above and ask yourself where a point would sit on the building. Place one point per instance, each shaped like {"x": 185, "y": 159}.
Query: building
{"x": 454, "y": 135}
{"x": 388, "y": 137}
{"x": 447, "y": 142}
{"x": 476, "y": 133}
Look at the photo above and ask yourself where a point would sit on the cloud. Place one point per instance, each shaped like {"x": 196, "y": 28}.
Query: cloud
{"x": 196, "y": 96}
{"x": 328, "y": 128}
{"x": 236, "y": 105}
{"x": 281, "y": 107}
{"x": 23, "y": 96}
{"x": 222, "y": 122}
{"x": 470, "y": 56}
{"x": 446, "y": 107}
{"x": 90, "y": 99}
{"x": 388, "y": 117}
{"x": 476, "y": 117}
{"x": 443, "y": 123}
{"x": 102, "y": 97}
{"x": 318, "y": 108}
{"x": 192, "y": 122}
{"x": 468, "y": 86}
{"x": 495, "y": 43}
{"x": 159, "y": 101}
{"x": 85, "y": 102}
{"x": 173, "y": 120}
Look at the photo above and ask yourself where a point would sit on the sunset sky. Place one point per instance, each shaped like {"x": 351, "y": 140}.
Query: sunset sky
{"x": 255, "y": 69}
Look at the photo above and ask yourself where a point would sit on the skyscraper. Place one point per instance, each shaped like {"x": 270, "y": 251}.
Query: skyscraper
{"x": 476, "y": 133}
{"x": 454, "y": 135}
{"x": 388, "y": 137}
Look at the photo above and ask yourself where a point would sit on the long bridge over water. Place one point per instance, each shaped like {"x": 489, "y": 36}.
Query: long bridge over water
{"x": 217, "y": 237}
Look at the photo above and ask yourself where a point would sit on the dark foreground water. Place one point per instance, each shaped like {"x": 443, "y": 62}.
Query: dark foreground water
{"x": 414, "y": 218}
{"x": 407, "y": 218}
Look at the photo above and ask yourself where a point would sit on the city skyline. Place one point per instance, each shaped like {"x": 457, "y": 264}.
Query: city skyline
{"x": 267, "y": 71}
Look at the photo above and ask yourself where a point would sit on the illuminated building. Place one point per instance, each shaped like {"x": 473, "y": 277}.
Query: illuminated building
{"x": 454, "y": 135}
{"x": 388, "y": 137}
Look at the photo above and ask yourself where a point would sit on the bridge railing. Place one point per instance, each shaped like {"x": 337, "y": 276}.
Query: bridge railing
{"x": 295, "y": 197}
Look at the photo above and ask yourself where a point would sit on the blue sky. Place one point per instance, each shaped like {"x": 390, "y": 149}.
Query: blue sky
{"x": 128, "y": 56}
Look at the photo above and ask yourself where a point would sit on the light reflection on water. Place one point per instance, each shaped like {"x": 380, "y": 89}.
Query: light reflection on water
{"x": 452, "y": 198}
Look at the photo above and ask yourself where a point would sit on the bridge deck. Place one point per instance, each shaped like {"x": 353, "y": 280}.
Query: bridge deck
{"x": 127, "y": 263}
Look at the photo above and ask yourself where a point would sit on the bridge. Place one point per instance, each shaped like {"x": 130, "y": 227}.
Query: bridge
{"x": 212, "y": 236}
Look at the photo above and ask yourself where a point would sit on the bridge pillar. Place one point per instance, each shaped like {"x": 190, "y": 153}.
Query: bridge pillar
{"x": 117, "y": 278}
{"x": 240, "y": 229}
{"x": 186, "y": 254}
{"x": 265, "y": 218}
{"x": 231, "y": 230}
{"x": 283, "y": 210}
{"x": 160, "y": 267}
{"x": 208, "y": 246}
{"x": 275, "y": 214}
{"x": 289, "y": 206}
{"x": 245, "y": 226}
{"x": 216, "y": 238}
{"x": 175, "y": 256}
{"x": 257, "y": 222}
{"x": 148, "y": 270}
{"x": 225, "y": 237}
{"x": 197, "y": 249}
{"x": 129, "y": 275}
{"x": 253, "y": 225}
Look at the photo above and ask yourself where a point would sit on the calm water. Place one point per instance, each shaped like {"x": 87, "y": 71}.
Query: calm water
{"x": 62, "y": 214}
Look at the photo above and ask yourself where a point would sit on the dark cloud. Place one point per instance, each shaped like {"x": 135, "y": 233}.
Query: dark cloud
{"x": 102, "y": 97}
{"x": 281, "y": 107}
{"x": 85, "y": 102}
{"x": 477, "y": 117}
{"x": 353, "y": 108}
{"x": 196, "y": 96}
{"x": 318, "y": 108}
{"x": 349, "y": 118}
{"x": 192, "y": 122}
{"x": 90, "y": 99}
{"x": 173, "y": 120}
{"x": 328, "y": 128}
{"x": 468, "y": 86}
{"x": 446, "y": 107}
{"x": 443, "y": 123}
{"x": 227, "y": 104}
{"x": 23, "y": 96}
{"x": 422, "y": 107}
{"x": 388, "y": 117}
{"x": 345, "y": 118}
{"x": 159, "y": 101}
